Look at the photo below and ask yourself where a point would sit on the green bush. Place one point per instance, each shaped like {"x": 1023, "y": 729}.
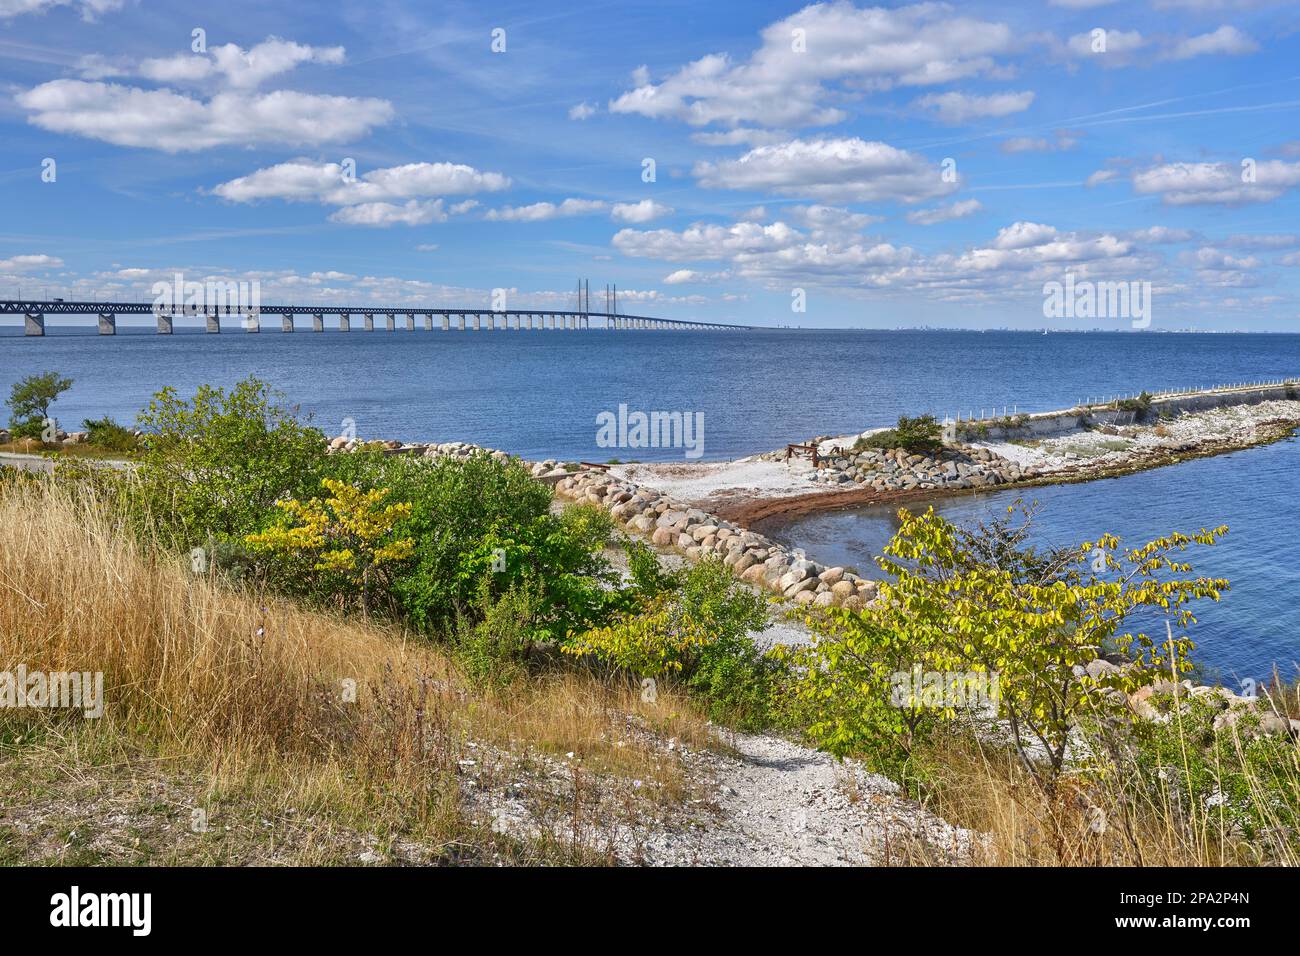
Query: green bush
{"x": 920, "y": 434}
{"x": 213, "y": 467}
{"x": 109, "y": 435}
{"x": 693, "y": 626}
{"x": 480, "y": 523}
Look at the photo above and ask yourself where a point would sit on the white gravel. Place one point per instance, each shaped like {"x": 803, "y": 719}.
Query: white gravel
{"x": 780, "y": 804}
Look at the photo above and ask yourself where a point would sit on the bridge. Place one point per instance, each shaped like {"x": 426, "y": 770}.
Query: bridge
{"x": 34, "y": 313}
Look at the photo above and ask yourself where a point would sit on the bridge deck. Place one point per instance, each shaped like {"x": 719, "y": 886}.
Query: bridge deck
{"x": 35, "y": 310}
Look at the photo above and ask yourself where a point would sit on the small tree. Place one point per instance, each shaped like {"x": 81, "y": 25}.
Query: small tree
{"x": 30, "y": 400}
{"x": 212, "y": 467}
{"x": 347, "y": 538}
{"x": 1034, "y": 621}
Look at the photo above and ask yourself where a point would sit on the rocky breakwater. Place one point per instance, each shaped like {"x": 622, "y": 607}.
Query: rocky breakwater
{"x": 698, "y": 535}
{"x": 897, "y": 469}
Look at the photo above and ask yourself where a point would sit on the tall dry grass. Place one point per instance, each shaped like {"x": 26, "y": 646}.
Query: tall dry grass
{"x": 1122, "y": 816}
{"x": 251, "y": 689}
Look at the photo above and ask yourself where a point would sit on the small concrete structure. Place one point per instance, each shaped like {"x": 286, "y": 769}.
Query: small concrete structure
{"x": 107, "y": 323}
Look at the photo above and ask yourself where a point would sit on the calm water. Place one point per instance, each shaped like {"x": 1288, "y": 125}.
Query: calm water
{"x": 1256, "y": 493}
{"x": 538, "y": 394}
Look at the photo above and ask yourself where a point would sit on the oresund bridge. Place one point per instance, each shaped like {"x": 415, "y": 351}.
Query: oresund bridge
{"x": 35, "y": 314}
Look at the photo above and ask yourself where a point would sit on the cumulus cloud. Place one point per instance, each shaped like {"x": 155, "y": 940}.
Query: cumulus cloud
{"x": 1123, "y": 46}
{"x": 542, "y": 211}
{"x": 1020, "y": 256}
{"x": 235, "y": 114}
{"x": 1225, "y": 41}
{"x": 1186, "y": 184}
{"x": 684, "y": 276}
{"x": 326, "y": 183}
{"x": 28, "y": 263}
{"x": 836, "y": 170}
{"x": 963, "y": 107}
{"x": 413, "y": 212}
{"x": 845, "y": 50}
{"x": 643, "y": 211}
{"x": 582, "y": 111}
{"x": 1160, "y": 235}
{"x": 957, "y": 210}
{"x": 175, "y": 122}
{"x": 235, "y": 66}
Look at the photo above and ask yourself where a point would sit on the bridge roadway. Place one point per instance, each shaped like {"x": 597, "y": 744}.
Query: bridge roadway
{"x": 34, "y": 313}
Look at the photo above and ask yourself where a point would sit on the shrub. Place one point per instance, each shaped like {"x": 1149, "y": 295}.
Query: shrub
{"x": 109, "y": 435}
{"x": 693, "y": 627}
{"x": 214, "y": 466}
{"x": 1034, "y": 621}
{"x": 345, "y": 543}
{"x": 30, "y": 400}
{"x": 1140, "y": 406}
{"x": 478, "y": 522}
{"x": 920, "y": 434}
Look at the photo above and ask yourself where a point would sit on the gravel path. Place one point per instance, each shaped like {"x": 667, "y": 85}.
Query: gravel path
{"x": 780, "y": 804}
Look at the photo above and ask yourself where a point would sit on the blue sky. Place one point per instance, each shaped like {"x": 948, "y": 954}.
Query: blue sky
{"x": 901, "y": 165}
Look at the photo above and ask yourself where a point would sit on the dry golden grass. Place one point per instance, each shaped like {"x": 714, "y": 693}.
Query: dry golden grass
{"x": 1112, "y": 820}
{"x": 247, "y": 692}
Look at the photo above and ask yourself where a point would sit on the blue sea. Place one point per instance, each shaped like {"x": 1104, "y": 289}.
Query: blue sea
{"x": 539, "y": 394}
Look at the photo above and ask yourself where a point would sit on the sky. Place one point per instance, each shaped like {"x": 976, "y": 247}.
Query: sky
{"x": 833, "y": 165}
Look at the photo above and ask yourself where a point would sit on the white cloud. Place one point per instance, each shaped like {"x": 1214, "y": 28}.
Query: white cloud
{"x": 683, "y": 276}
{"x": 303, "y": 181}
{"x": 29, "y": 262}
{"x": 837, "y": 170}
{"x": 174, "y": 122}
{"x": 1185, "y": 184}
{"x": 1226, "y": 41}
{"x": 1162, "y": 234}
{"x": 89, "y": 9}
{"x": 847, "y": 50}
{"x": 542, "y": 211}
{"x": 957, "y": 210}
{"x": 643, "y": 211}
{"x": 1022, "y": 235}
{"x": 413, "y": 212}
{"x": 963, "y": 107}
{"x": 1122, "y": 46}
{"x": 825, "y": 221}
{"x": 1099, "y": 177}
{"x": 582, "y": 111}
{"x": 237, "y": 67}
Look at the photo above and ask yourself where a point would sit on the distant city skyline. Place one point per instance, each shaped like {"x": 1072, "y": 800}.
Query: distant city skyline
{"x": 906, "y": 165}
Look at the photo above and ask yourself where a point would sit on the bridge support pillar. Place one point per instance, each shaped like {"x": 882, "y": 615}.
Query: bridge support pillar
{"x": 33, "y": 323}
{"x": 107, "y": 323}
{"x": 369, "y": 320}
{"x": 286, "y": 322}
{"x": 461, "y": 323}
{"x": 390, "y": 322}
{"x": 164, "y": 323}
{"x": 252, "y": 322}
{"x": 478, "y": 323}
{"x": 410, "y": 322}
{"x": 212, "y": 323}
{"x": 318, "y": 322}
{"x": 345, "y": 322}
